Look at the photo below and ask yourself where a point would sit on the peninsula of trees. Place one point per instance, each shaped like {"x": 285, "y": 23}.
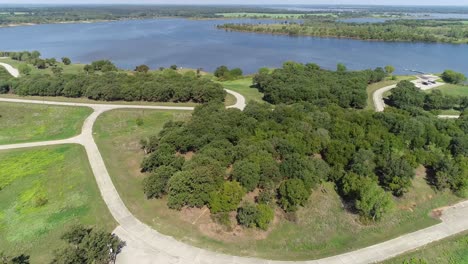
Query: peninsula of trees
{"x": 445, "y": 31}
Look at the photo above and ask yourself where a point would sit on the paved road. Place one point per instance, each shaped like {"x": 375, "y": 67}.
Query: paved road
{"x": 14, "y": 72}
{"x": 379, "y": 103}
{"x": 145, "y": 245}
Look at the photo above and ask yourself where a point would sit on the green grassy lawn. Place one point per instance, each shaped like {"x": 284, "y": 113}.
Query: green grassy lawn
{"x": 72, "y": 68}
{"x": 322, "y": 227}
{"x": 43, "y": 191}
{"x": 453, "y": 250}
{"x": 243, "y": 86}
{"x": 387, "y": 82}
{"x": 454, "y": 90}
{"x": 30, "y": 122}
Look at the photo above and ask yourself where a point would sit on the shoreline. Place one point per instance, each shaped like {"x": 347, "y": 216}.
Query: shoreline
{"x": 334, "y": 37}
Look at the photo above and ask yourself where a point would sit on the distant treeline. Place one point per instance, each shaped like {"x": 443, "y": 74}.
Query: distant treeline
{"x": 447, "y": 31}
{"x": 58, "y": 14}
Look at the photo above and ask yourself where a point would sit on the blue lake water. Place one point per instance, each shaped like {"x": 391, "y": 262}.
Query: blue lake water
{"x": 193, "y": 44}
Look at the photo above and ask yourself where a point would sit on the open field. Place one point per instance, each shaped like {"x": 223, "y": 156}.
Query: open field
{"x": 321, "y": 228}
{"x": 72, "y": 68}
{"x": 43, "y": 191}
{"x": 454, "y": 90}
{"x": 375, "y": 86}
{"x": 452, "y": 250}
{"x": 242, "y": 86}
{"x": 30, "y": 122}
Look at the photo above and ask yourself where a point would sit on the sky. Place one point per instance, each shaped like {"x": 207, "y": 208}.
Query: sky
{"x": 253, "y": 2}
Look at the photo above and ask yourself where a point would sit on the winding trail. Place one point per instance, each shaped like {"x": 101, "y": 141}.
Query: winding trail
{"x": 145, "y": 245}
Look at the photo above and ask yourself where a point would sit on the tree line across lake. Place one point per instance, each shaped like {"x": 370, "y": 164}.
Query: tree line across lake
{"x": 312, "y": 133}
{"x": 447, "y": 31}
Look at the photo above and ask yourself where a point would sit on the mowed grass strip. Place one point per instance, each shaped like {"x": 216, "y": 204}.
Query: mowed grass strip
{"x": 43, "y": 191}
{"x": 30, "y": 122}
{"x": 453, "y": 250}
{"x": 322, "y": 228}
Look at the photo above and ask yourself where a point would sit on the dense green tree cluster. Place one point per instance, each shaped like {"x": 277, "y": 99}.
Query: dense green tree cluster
{"x": 86, "y": 245}
{"x": 5, "y": 81}
{"x": 407, "y": 96}
{"x": 296, "y": 82}
{"x": 453, "y": 77}
{"x": 109, "y": 86}
{"x": 449, "y": 31}
{"x": 223, "y": 73}
{"x": 288, "y": 150}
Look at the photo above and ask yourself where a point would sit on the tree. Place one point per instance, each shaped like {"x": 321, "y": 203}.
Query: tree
{"x": 407, "y": 95}
{"x": 371, "y": 201}
{"x": 155, "y": 185}
{"x": 340, "y": 67}
{"x": 66, "y": 61}
{"x": 221, "y": 71}
{"x": 20, "y": 259}
{"x": 227, "y": 199}
{"x": 173, "y": 67}
{"x": 142, "y": 68}
{"x": 292, "y": 194}
{"x": 389, "y": 69}
{"x": 396, "y": 175}
{"x": 247, "y": 173}
{"x": 453, "y": 77}
{"x": 88, "y": 246}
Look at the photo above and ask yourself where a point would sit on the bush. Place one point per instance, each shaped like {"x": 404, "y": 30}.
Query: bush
{"x": 265, "y": 216}
{"x": 247, "y": 215}
{"x": 227, "y": 199}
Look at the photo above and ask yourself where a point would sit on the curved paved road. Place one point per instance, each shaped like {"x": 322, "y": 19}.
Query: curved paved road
{"x": 379, "y": 104}
{"x": 145, "y": 245}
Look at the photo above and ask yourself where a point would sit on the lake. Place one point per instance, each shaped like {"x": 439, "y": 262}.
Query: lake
{"x": 197, "y": 43}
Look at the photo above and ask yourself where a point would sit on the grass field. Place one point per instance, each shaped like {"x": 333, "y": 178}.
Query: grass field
{"x": 453, "y": 250}
{"x": 43, "y": 191}
{"x": 375, "y": 86}
{"x": 322, "y": 228}
{"x": 454, "y": 90}
{"x": 30, "y": 122}
{"x": 72, "y": 68}
{"x": 243, "y": 86}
